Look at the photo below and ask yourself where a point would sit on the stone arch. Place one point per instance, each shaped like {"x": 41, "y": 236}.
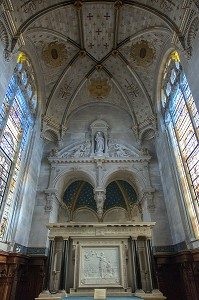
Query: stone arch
{"x": 50, "y": 135}
{"x": 116, "y": 214}
{"x": 4, "y": 35}
{"x": 137, "y": 180}
{"x": 193, "y": 29}
{"x": 85, "y": 215}
{"x": 65, "y": 177}
{"x": 63, "y": 214}
{"x": 163, "y": 60}
{"x": 147, "y": 134}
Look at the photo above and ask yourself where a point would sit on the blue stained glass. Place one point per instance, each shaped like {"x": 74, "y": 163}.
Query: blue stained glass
{"x": 29, "y": 90}
{"x": 16, "y": 115}
{"x": 168, "y": 88}
{"x": 7, "y": 145}
{"x": 5, "y": 165}
{"x": 183, "y": 130}
{"x": 22, "y": 101}
{"x": 24, "y": 77}
{"x": 177, "y": 64}
{"x": 34, "y": 102}
{"x": 183, "y": 79}
{"x": 163, "y": 98}
{"x": 173, "y": 76}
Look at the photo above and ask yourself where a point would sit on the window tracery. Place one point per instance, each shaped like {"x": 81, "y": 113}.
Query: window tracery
{"x": 17, "y": 115}
{"x": 182, "y": 120}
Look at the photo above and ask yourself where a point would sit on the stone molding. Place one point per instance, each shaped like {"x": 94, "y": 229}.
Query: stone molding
{"x": 141, "y": 158}
{"x": 99, "y": 230}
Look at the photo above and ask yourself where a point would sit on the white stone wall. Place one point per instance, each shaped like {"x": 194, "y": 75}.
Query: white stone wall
{"x": 170, "y": 188}
{"x": 28, "y": 193}
{"x": 191, "y": 67}
{"x": 7, "y": 68}
{"x": 161, "y": 231}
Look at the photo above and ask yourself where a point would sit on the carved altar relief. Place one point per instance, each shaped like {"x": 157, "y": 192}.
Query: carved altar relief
{"x": 81, "y": 150}
{"x": 100, "y": 266}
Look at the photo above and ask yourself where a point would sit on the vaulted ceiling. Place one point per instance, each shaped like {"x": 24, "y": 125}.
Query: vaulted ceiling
{"x": 93, "y": 52}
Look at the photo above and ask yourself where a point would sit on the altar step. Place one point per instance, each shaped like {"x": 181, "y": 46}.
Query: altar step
{"x": 141, "y": 295}
{"x": 109, "y": 292}
{"x": 107, "y": 298}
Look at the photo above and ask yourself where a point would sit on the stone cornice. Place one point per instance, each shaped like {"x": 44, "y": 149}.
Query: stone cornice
{"x": 99, "y": 230}
{"x": 60, "y": 160}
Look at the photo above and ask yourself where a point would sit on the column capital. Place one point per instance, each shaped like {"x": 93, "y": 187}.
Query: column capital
{"x": 50, "y": 199}
{"x": 148, "y": 196}
{"x": 134, "y": 238}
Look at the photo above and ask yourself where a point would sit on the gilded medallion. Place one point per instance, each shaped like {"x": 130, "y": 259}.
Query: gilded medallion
{"x": 54, "y": 54}
{"x": 142, "y": 53}
{"x": 99, "y": 88}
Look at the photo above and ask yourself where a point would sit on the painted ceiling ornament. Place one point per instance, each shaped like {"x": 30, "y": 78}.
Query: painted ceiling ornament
{"x": 99, "y": 88}
{"x": 54, "y": 54}
{"x": 142, "y": 53}
{"x": 165, "y": 4}
{"x": 118, "y": 4}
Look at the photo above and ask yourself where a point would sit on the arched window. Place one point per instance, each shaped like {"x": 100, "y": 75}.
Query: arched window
{"x": 17, "y": 115}
{"x": 182, "y": 123}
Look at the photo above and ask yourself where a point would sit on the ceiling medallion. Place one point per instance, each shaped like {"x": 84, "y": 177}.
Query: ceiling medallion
{"x": 54, "y": 54}
{"x": 142, "y": 53}
{"x": 99, "y": 88}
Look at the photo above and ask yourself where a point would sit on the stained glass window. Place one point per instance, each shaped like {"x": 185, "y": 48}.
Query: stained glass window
{"x": 182, "y": 120}
{"x": 16, "y": 117}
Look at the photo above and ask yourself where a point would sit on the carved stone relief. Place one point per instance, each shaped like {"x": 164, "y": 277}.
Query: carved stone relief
{"x": 82, "y": 150}
{"x": 100, "y": 266}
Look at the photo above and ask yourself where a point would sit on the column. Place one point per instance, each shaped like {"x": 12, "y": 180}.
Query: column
{"x": 136, "y": 265}
{"x": 52, "y": 205}
{"x": 152, "y": 266}
{"x": 64, "y": 264}
{"x": 49, "y": 264}
{"x": 145, "y": 272}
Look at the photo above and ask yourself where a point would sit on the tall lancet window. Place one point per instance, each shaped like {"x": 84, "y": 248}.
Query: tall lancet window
{"x": 17, "y": 115}
{"x": 182, "y": 123}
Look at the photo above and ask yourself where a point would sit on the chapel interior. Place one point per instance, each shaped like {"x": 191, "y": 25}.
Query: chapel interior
{"x": 99, "y": 151}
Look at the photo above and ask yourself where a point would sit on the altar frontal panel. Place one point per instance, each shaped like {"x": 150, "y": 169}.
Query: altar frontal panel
{"x": 100, "y": 266}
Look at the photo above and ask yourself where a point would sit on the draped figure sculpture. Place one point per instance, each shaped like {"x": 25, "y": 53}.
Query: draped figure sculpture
{"x": 99, "y": 146}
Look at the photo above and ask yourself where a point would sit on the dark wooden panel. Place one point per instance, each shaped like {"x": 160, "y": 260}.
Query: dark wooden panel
{"x": 21, "y": 276}
{"x": 178, "y": 274}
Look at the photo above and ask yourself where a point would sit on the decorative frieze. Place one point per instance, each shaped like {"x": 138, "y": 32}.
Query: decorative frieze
{"x": 86, "y": 230}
